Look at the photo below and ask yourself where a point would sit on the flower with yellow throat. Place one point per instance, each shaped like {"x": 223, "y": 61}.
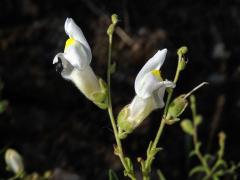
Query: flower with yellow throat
{"x": 74, "y": 65}
{"x": 150, "y": 88}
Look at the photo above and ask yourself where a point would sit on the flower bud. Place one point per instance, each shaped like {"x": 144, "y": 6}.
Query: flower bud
{"x": 177, "y": 106}
{"x": 114, "y": 18}
{"x": 187, "y": 126}
{"x": 14, "y": 161}
{"x": 182, "y": 50}
{"x": 182, "y": 62}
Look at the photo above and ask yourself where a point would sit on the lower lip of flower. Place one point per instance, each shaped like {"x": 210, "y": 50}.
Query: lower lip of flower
{"x": 59, "y": 66}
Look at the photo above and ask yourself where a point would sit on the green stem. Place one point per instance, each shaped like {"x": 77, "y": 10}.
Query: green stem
{"x": 148, "y": 162}
{"x": 199, "y": 154}
{"x": 110, "y": 112}
{"x": 196, "y": 142}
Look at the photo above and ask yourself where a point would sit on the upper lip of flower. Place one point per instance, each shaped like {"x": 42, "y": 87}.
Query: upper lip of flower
{"x": 146, "y": 83}
{"x": 77, "y": 53}
{"x": 74, "y": 31}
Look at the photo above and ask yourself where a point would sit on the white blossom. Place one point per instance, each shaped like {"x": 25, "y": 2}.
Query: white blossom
{"x": 74, "y": 63}
{"x": 150, "y": 89}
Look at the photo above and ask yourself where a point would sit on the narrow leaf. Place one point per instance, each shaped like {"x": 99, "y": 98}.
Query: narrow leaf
{"x": 195, "y": 170}
{"x": 112, "y": 175}
{"x": 160, "y": 175}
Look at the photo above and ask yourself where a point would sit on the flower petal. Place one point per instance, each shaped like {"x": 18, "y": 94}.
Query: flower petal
{"x": 67, "y": 67}
{"x": 158, "y": 94}
{"x": 154, "y": 63}
{"x": 73, "y": 31}
{"x": 148, "y": 85}
{"x": 76, "y": 55}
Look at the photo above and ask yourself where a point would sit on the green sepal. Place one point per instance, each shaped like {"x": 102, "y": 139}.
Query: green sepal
{"x": 129, "y": 166}
{"x": 125, "y": 127}
{"x": 142, "y": 162}
{"x": 100, "y": 97}
{"x": 172, "y": 121}
{"x": 101, "y": 105}
{"x": 103, "y": 85}
{"x": 149, "y": 148}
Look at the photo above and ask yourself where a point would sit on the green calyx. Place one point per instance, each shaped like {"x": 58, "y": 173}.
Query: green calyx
{"x": 177, "y": 107}
{"x": 100, "y": 97}
{"x": 125, "y": 127}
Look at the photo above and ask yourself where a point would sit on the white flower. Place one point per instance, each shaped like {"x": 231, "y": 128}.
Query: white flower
{"x": 74, "y": 64}
{"x": 150, "y": 89}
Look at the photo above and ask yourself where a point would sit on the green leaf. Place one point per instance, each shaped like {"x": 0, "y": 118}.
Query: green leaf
{"x": 197, "y": 169}
{"x": 192, "y": 153}
{"x": 219, "y": 172}
{"x": 187, "y": 126}
{"x": 207, "y": 157}
{"x": 154, "y": 151}
{"x": 149, "y": 148}
{"x": 215, "y": 177}
{"x": 222, "y": 163}
{"x": 160, "y": 175}
{"x": 112, "y": 175}
{"x": 198, "y": 145}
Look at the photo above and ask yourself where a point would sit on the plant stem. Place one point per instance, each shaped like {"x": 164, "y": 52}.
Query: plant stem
{"x": 196, "y": 142}
{"x": 110, "y": 112}
{"x": 148, "y": 162}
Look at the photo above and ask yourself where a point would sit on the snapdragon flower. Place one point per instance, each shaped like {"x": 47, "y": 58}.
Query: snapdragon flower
{"x": 150, "y": 88}
{"x": 74, "y": 65}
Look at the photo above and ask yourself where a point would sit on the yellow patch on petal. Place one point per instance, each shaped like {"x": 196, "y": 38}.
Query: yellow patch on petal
{"x": 69, "y": 42}
{"x": 157, "y": 74}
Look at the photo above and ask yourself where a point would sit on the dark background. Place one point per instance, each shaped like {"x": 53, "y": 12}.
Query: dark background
{"x": 54, "y": 127}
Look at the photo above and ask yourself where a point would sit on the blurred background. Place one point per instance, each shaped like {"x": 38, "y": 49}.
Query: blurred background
{"x": 56, "y": 128}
